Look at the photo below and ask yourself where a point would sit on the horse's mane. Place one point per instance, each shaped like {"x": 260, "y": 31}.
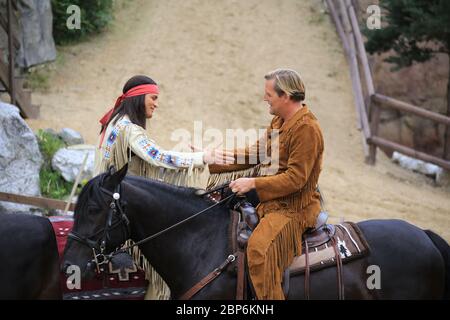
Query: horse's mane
{"x": 148, "y": 184}
{"x": 92, "y": 187}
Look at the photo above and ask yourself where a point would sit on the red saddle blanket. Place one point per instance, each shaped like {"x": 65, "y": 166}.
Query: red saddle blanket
{"x": 130, "y": 285}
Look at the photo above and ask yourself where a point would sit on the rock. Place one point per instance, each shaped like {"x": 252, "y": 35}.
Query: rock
{"x": 68, "y": 162}
{"x": 20, "y": 158}
{"x": 52, "y": 132}
{"x": 443, "y": 178}
{"x": 36, "y": 37}
{"x": 33, "y": 29}
{"x": 71, "y": 137}
{"x": 423, "y": 167}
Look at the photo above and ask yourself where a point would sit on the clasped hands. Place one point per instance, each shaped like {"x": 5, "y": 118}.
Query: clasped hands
{"x": 215, "y": 156}
{"x": 220, "y": 156}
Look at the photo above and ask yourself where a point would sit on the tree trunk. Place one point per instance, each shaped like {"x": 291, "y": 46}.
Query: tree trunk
{"x": 447, "y": 130}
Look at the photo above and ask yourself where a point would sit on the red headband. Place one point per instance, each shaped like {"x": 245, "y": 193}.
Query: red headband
{"x": 135, "y": 91}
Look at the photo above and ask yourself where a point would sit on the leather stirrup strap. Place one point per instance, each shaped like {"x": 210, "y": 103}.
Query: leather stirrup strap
{"x": 340, "y": 276}
{"x": 240, "y": 286}
{"x": 307, "y": 270}
{"x": 210, "y": 277}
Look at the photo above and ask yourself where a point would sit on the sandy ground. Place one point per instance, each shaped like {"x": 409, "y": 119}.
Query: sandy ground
{"x": 209, "y": 58}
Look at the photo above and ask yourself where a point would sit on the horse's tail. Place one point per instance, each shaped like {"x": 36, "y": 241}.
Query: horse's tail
{"x": 444, "y": 248}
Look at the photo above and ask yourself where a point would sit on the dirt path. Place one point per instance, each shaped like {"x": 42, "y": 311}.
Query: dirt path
{"x": 210, "y": 58}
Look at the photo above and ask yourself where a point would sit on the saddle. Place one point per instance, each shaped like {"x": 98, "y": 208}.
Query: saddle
{"x": 248, "y": 219}
{"x": 323, "y": 246}
{"x": 320, "y": 234}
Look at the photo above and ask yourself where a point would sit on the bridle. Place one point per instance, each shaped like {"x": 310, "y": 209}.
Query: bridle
{"x": 116, "y": 218}
{"x": 117, "y": 211}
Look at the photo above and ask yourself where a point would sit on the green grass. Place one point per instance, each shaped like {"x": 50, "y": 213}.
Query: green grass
{"x": 38, "y": 79}
{"x": 53, "y": 184}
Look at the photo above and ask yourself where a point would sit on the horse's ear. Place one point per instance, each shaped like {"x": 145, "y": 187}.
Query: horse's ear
{"x": 112, "y": 170}
{"x": 115, "y": 177}
{"x": 122, "y": 172}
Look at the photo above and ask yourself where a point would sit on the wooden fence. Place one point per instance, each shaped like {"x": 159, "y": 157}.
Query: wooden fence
{"x": 41, "y": 202}
{"x": 368, "y": 102}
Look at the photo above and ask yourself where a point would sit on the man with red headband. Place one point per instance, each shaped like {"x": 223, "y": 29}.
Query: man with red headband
{"x": 123, "y": 139}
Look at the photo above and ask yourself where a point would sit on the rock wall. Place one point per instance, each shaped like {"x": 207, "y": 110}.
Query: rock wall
{"x": 35, "y": 25}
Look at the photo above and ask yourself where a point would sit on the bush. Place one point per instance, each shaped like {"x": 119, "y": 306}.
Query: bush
{"x": 51, "y": 182}
{"x": 95, "y": 16}
{"x": 49, "y": 144}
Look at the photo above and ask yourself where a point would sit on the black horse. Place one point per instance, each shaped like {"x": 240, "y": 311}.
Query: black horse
{"x": 29, "y": 260}
{"x": 414, "y": 264}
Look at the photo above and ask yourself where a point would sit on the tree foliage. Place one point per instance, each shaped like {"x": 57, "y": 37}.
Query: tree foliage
{"x": 95, "y": 16}
{"x": 414, "y": 29}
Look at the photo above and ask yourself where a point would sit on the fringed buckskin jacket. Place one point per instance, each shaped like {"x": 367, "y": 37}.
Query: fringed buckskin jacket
{"x": 292, "y": 189}
{"x": 126, "y": 142}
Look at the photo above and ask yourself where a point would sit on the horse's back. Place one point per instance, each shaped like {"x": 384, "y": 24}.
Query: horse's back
{"x": 403, "y": 264}
{"x": 411, "y": 267}
{"x": 29, "y": 267}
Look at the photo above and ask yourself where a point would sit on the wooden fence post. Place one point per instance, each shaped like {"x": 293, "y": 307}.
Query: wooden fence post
{"x": 374, "y": 123}
{"x": 362, "y": 54}
{"x": 356, "y": 82}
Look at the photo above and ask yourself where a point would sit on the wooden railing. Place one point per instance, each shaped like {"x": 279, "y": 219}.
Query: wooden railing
{"x": 41, "y": 202}
{"x": 367, "y": 100}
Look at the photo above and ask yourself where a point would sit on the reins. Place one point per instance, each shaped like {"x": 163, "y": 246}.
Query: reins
{"x": 153, "y": 236}
{"x": 116, "y": 205}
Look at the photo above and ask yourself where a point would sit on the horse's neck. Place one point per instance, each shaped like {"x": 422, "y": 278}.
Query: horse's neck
{"x": 185, "y": 254}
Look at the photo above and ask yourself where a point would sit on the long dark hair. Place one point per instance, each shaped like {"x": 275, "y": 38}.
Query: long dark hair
{"x": 133, "y": 107}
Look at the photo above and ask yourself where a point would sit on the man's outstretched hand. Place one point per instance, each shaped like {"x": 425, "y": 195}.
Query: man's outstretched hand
{"x": 215, "y": 156}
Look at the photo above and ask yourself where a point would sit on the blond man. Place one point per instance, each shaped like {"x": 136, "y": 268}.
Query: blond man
{"x": 289, "y": 202}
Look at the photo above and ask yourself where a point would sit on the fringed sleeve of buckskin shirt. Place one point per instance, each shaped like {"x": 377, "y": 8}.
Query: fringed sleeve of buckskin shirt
{"x": 126, "y": 142}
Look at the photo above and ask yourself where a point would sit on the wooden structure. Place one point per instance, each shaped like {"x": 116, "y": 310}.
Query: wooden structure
{"x": 13, "y": 84}
{"x": 41, "y": 202}
{"x": 368, "y": 102}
